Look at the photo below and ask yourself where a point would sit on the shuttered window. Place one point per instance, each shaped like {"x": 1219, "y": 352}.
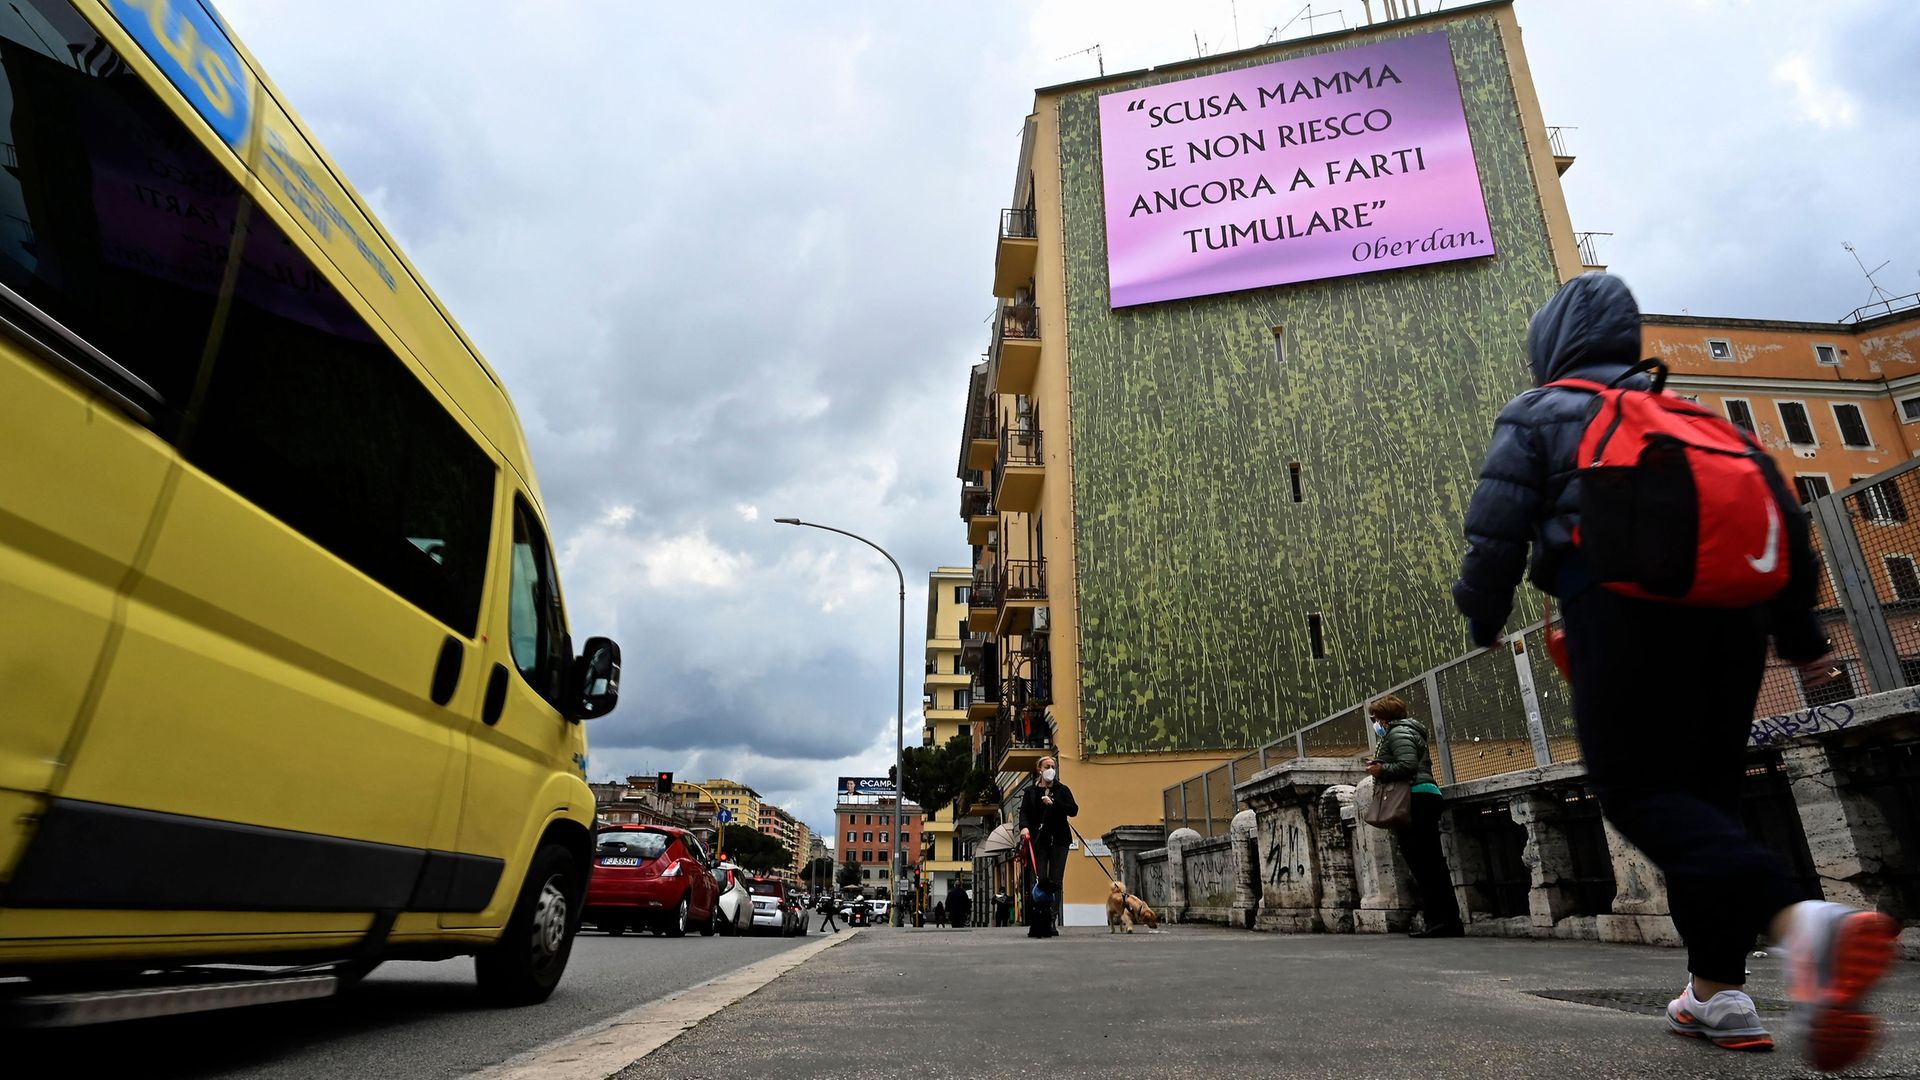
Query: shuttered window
{"x": 1793, "y": 415}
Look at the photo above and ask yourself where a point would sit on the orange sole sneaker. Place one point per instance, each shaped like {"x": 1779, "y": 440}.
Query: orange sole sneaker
{"x": 1839, "y": 1032}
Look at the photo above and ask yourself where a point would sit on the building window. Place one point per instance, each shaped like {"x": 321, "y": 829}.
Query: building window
{"x": 1293, "y": 475}
{"x": 1910, "y": 409}
{"x": 966, "y": 732}
{"x": 1316, "y": 639}
{"x": 1826, "y": 355}
{"x": 960, "y": 595}
{"x": 1720, "y": 348}
{"x": 1793, "y": 414}
{"x": 1829, "y": 685}
{"x": 866, "y": 875}
{"x": 851, "y": 837}
{"x": 1853, "y": 426}
{"x": 1741, "y": 414}
{"x": 1279, "y": 345}
{"x": 1882, "y": 502}
{"x": 1904, "y": 577}
{"x": 883, "y": 838}
{"x": 867, "y": 838}
{"x": 961, "y": 698}
{"x": 1811, "y": 486}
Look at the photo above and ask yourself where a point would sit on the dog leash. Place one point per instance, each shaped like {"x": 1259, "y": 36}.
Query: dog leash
{"x": 1103, "y": 866}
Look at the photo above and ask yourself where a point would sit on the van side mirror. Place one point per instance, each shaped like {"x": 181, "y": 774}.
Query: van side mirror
{"x": 596, "y": 675}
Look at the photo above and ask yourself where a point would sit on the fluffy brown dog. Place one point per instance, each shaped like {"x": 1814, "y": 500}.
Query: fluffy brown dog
{"x": 1140, "y": 912}
{"x": 1118, "y": 917}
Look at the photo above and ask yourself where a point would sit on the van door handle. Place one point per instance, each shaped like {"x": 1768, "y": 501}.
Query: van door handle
{"x": 446, "y": 672}
{"x": 496, "y": 699}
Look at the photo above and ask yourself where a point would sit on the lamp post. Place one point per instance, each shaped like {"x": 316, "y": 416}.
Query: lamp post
{"x": 899, "y": 719}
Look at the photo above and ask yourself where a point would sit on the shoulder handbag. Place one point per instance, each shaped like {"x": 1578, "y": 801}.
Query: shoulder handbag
{"x": 1384, "y": 804}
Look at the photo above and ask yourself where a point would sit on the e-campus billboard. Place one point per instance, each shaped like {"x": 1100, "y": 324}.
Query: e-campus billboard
{"x": 862, "y": 786}
{"x": 1348, "y": 162}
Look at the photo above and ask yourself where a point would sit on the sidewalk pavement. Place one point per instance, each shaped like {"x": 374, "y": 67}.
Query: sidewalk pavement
{"x": 1196, "y": 1001}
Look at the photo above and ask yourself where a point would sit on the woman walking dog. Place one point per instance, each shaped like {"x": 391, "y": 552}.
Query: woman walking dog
{"x": 1045, "y": 834}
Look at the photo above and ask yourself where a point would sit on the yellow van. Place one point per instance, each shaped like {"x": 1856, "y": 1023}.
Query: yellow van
{"x": 285, "y": 677}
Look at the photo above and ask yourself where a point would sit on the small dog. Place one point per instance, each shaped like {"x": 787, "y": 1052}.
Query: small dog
{"x": 1118, "y": 917}
{"x": 1140, "y": 912}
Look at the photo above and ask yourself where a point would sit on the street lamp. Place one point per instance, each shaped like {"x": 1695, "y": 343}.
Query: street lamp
{"x": 899, "y": 717}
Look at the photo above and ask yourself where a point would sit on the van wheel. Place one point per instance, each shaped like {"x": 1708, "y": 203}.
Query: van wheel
{"x": 678, "y": 927}
{"x": 524, "y": 966}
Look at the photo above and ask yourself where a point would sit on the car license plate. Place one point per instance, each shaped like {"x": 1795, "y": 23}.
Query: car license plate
{"x": 620, "y": 861}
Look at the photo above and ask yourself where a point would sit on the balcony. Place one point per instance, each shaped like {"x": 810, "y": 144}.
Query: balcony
{"x": 1019, "y": 739}
{"x": 1019, "y": 245}
{"x": 980, "y": 439}
{"x": 1016, "y": 348}
{"x": 976, "y": 506}
{"x": 1019, "y": 468}
{"x": 983, "y": 605}
{"x": 1590, "y": 250}
{"x": 1557, "y": 142}
{"x": 1020, "y": 589}
{"x": 983, "y": 699}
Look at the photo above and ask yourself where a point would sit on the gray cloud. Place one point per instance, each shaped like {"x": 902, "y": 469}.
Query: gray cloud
{"x": 735, "y": 266}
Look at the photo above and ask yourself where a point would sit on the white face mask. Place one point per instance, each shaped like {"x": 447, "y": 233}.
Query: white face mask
{"x": 1049, "y": 774}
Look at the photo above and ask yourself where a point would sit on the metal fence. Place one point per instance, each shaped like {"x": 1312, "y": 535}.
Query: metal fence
{"x": 1503, "y": 710}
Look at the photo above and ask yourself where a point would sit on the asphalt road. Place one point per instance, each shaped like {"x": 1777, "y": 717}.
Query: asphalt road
{"x": 418, "y": 1021}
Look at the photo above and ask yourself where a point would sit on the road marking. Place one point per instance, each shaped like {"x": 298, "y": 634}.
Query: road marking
{"x": 604, "y": 1050}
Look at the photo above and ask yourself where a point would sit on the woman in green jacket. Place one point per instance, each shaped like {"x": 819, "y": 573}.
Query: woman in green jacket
{"x": 1402, "y": 755}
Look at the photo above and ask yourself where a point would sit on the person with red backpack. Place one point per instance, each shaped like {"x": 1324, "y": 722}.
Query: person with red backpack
{"x": 1675, "y": 552}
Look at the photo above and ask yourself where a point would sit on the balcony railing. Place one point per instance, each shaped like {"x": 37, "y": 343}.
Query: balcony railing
{"x": 1020, "y": 579}
{"x": 1020, "y": 443}
{"x": 1023, "y": 729}
{"x": 975, "y": 501}
{"x": 1590, "y": 247}
{"x": 1882, "y": 307}
{"x": 1029, "y": 680}
{"x": 983, "y": 687}
{"x": 1557, "y": 140}
{"x": 1020, "y": 322}
{"x": 985, "y": 591}
{"x": 1017, "y": 224}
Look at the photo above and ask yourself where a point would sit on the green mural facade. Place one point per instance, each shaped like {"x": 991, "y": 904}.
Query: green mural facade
{"x": 1197, "y": 570}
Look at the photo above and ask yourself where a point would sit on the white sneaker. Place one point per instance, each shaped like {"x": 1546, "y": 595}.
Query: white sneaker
{"x": 1835, "y": 956}
{"x": 1728, "y": 1020}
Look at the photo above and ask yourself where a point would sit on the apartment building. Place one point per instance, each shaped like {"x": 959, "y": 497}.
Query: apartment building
{"x": 864, "y": 840}
{"x": 1246, "y": 512}
{"x": 742, "y": 801}
{"x": 946, "y": 699}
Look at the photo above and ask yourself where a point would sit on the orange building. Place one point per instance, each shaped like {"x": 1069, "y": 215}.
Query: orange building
{"x": 1836, "y": 403}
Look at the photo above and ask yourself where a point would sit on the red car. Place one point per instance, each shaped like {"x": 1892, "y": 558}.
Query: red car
{"x": 651, "y": 877}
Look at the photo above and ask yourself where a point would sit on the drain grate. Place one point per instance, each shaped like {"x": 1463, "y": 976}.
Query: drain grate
{"x": 1643, "y": 1001}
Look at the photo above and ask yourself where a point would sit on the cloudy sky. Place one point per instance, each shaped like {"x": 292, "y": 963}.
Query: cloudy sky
{"x": 734, "y": 263}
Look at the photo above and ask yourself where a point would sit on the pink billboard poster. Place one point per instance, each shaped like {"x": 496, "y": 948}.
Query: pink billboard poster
{"x": 1348, "y": 162}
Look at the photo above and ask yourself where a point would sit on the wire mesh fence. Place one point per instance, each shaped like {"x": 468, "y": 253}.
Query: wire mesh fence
{"x": 1506, "y": 709}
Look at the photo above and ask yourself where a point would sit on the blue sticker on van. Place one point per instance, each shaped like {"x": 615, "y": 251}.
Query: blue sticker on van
{"x": 192, "y": 48}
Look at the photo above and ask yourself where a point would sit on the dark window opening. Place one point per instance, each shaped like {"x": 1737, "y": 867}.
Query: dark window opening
{"x": 1293, "y": 475}
{"x": 1811, "y": 486}
{"x": 1316, "y": 641}
{"x": 1853, "y": 426}
{"x": 1741, "y": 414}
{"x": 1279, "y": 345}
{"x": 1799, "y": 427}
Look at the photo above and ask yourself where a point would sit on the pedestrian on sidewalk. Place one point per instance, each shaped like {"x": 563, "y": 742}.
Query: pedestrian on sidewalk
{"x": 961, "y": 905}
{"x": 1664, "y": 694}
{"x": 828, "y": 909}
{"x": 939, "y": 913}
{"x": 1044, "y": 809}
{"x": 1003, "y": 909}
{"x": 1402, "y": 754}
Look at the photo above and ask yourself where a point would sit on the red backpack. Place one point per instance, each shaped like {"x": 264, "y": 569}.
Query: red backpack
{"x": 1676, "y": 503}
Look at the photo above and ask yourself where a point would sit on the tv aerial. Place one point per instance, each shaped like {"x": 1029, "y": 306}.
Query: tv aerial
{"x": 1875, "y": 294}
{"x": 1094, "y": 49}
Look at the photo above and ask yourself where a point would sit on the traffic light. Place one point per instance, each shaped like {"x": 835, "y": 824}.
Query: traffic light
{"x": 663, "y": 783}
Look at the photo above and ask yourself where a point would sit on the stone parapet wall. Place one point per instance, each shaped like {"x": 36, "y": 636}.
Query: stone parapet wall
{"x": 1530, "y": 853}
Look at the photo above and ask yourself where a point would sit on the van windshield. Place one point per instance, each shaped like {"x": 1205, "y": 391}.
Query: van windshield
{"x": 645, "y": 845}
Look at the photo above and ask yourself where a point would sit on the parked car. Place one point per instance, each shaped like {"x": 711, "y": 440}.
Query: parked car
{"x": 651, "y": 877}
{"x": 856, "y": 913}
{"x": 734, "y": 914}
{"x": 877, "y": 911}
{"x": 802, "y": 911}
{"x": 771, "y": 908}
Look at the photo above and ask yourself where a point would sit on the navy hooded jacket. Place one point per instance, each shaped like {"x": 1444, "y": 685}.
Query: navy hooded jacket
{"x": 1529, "y": 493}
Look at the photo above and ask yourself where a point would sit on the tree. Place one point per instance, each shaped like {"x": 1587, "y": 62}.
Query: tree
{"x": 849, "y": 875}
{"x": 755, "y": 850}
{"x": 936, "y": 775}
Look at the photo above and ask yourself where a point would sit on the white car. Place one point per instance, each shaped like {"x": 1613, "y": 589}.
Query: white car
{"x": 733, "y": 914}
{"x": 771, "y": 911}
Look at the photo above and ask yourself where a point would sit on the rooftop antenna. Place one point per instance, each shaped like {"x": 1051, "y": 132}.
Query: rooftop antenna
{"x": 1094, "y": 49}
{"x": 1876, "y": 294}
{"x": 1199, "y": 50}
{"x": 1234, "y": 8}
{"x": 1310, "y": 15}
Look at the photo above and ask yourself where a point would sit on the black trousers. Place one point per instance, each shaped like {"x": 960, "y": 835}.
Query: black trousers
{"x": 1419, "y": 843}
{"x": 1052, "y": 862}
{"x": 1663, "y": 700}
